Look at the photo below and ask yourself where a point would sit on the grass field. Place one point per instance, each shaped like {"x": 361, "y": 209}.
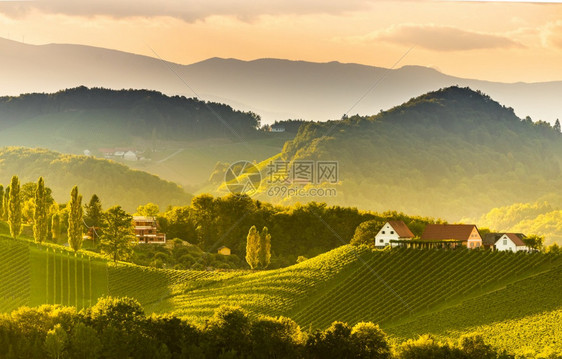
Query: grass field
{"x": 409, "y": 292}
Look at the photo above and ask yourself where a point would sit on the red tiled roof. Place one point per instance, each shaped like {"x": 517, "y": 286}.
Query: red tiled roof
{"x": 401, "y": 229}
{"x": 437, "y": 232}
{"x": 516, "y": 239}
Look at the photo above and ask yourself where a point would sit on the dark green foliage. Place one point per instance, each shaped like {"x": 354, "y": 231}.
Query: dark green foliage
{"x": 93, "y": 215}
{"x": 118, "y": 328}
{"x": 6, "y": 203}
{"x": 146, "y": 114}
{"x": 75, "y": 232}
{"x": 1, "y": 201}
{"x": 451, "y": 153}
{"x": 556, "y": 126}
{"x": 228, "y": 330}
{"x": 264, "y": 252}
{"x": 334, "y": 342}
{"x": 297, "y": 230}
{"x": 84, "y": 342}
{"x": 14, "y": 207}
{"x": 40, "y": 219}
{"x": 365, "y": 232}
{"x": 118, "y": 235}
{"x": 534, "y": 242}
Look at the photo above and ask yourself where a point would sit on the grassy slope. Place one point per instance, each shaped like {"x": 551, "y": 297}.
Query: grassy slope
{"x": 408, "y": 291}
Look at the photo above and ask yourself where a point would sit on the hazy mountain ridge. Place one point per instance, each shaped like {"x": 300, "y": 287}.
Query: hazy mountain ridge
{"x": 451, "y": 153}
{"x": 112, "y": 182}
{"x": 275, "y": 89}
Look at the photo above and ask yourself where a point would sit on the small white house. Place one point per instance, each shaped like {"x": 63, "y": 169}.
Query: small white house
{"x": 392, "y": 230}
{"x": 511, "y": 242}
{"x": 130, "y": 156}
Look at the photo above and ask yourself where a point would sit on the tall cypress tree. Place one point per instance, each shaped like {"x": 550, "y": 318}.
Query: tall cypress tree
{"x": 265, "y": 248}
{"x": 40, "y": 224}
{"x": 55, "y": 226}
{"x": 1, "y": 201}
{"x": 93, "y": 215}
{"x": 557, "y": 126}
{"x": 252, "y": 248}
{"x": 5, "y": 203}
{"x": 14, "y": 207}
{"x": 75, "y": 220}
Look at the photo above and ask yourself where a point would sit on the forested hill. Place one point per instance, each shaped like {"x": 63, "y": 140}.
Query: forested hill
{"x": 141, "y": 113}
{"x": 112, "y": 182}
{"x": 451, "y": 153}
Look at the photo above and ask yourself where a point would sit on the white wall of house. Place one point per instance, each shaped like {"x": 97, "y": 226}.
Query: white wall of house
{"x": 386, "y": 233}
{"x": 506, "y": 244}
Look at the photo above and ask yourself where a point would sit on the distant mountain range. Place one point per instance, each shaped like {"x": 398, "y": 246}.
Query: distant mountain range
{"x": 275, "y": 89}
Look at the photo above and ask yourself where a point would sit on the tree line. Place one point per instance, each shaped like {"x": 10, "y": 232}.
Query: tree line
{"x": 119, "y": 328}
{"x": 113, "y": 228}
{"x": 297, "y": 230}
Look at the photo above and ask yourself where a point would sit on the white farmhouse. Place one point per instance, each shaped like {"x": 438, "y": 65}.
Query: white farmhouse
{"x": 130, "y": 156}
{"x": 392, "y": 230}
{"x": 511, "y": 242}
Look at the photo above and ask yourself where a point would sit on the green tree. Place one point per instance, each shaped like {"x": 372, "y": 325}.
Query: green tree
{"x": 55, "y": 341}
{"x": 84, "y": 342}
{"x": 557, "y": 126}
{"x": 6, "y": 203}
{"x": 148, "y": 210}
{"x": 1, "y": 201}
{"x": 474, "y": 347}
{"x": 14, "y": 207}
{"x": 93, "y": 215}
{"x": 275, "y": 338}
{"x": 334, "y": 342}
{"x": 534, "y": 242}
{"x": 55, "y": 226}
{"x": 264, "y": 248}
{"x": 253, "y": 248}
{"x": 365, "y": 232}
{"x": 423, "y": 347}
{"x": 553, "y": 248}
{"x": 40, "y": 220}
{"x": 117, "y": 239}
{"x": 229, "y": 327}
{"x": 75, "y": 220}
{"x": 369, "y": 341}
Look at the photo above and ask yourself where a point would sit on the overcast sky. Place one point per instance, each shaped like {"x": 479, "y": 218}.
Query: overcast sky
{"x": 501, "y": 41}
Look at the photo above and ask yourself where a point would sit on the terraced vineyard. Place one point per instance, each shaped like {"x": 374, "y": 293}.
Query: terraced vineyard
{"x": 407, "y": 291}
{"x": 14, "y": 270}
{"x": 389, "y": 285}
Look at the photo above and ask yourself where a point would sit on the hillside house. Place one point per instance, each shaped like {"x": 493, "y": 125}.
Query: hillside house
{"x": 392, "y": 230}
{"x": 225, "y": 251}
{"x": 146, "y": 230}
{"x": 130, "y": 156}
{"x": 467, "y": 234}
{"x": 511, "y": 242}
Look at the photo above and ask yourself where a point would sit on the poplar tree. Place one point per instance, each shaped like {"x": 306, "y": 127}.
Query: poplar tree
{"x": 265, "y": 248}
{"x": 93, "y": 215}
{"x": 252, "y": 248}
{"x": 40, "y": 224}
{"x": 5, "y": 203}
{"x": 55, "y": 226}
{"x": 1, "y": 201}
{"x": 14, "y": 207}
{"x": 75, "y": 220}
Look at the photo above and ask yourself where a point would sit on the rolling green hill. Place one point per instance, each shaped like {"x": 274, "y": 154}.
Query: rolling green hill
{"x": 453, "y": 153}
{"x": 409, "y": 292}
{"x": 112, "y": 182}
